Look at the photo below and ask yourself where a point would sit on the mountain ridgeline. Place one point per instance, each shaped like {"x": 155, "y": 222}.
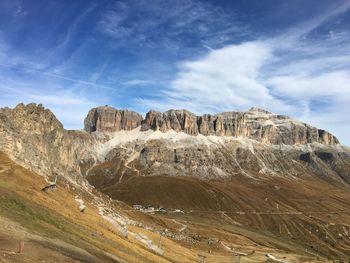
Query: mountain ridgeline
{"x": 256, "y": 124}
{"x": 175, "y": 142}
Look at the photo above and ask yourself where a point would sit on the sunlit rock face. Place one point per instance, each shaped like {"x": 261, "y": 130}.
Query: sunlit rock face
{"x": 177, "y": 120}
{"x": 254, "y": 124}
{"x": 33, "y": 137}
{"x": 255, "y": 144}
{"x": 108, "y": 119}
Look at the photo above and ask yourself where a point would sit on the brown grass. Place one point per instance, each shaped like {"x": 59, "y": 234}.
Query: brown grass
{"x": 56, "y": 215}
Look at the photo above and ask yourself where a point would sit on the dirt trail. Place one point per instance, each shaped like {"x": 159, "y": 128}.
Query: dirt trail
{"x": 128, "y": 161}
{"x": 183, "y": 226}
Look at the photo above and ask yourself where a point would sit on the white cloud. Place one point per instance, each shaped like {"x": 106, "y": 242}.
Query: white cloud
{"x": 326, "y": 96}
{"x": 137, "y": 82}
{"x": 225, "y": 79}
{"x": 329, "y": 84}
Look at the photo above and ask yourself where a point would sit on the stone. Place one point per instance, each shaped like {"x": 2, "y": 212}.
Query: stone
{"x": 177, "y": 120}
{"x": 33, "y": 137}
{"x": 256, "y": 124}
{"x": 108, "y": 119}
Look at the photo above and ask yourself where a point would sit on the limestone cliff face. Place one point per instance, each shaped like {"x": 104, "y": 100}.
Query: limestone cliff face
{"x": 108, "y": 119}
{"x": 216, "y": 157}
{"x": 255, "y": 124}
{"x": 33, "y": 137}
{"x": 177, "y": 120}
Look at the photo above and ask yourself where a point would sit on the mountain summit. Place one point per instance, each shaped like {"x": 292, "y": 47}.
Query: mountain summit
{"x": 256, "y": 124}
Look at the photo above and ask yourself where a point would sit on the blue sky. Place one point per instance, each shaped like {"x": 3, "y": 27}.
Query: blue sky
{"x": 290, "y": 57}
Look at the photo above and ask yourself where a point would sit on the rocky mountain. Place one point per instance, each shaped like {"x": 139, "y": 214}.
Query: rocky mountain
{"x": 264, "y": 177}
{"x": 253, "y": 143}
{"x": 33, "y": 137}
{"x": 171, "y": 143}
{"x": 256, "y": 124}
{"x": 108, "y": 119}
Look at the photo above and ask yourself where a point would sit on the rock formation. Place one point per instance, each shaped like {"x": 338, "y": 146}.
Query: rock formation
{"x": 108, "y": 119}
{"x": 256, "y": 124}
{"x": 33, "y": 137}
{"x": 177, "y": 120}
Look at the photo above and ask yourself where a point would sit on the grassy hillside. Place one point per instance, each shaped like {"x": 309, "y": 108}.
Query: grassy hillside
{"x": 305, "y": 216}
{"x": 52, "y": 222}
{"x": 220, "y": 218}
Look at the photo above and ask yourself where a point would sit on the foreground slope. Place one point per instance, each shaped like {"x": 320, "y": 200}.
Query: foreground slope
{"x": 53, "y": 226}
{"x": 54, "y": 229}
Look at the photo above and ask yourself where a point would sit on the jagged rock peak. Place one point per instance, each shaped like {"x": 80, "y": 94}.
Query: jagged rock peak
{"x": 258, "y": 110}
{"x": 31, "y": 116}
{"x": 257, "y": 124}
{"x": 177, "y": 120}
{"x": 109, "y": 119}
{"x": 33, "y": 137}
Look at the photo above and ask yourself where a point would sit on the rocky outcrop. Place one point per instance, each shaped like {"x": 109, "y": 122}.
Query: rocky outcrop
{"x": 208, "y": 157}
{"x": 108, "y": 119}
{"x": 33, "y": 137}
{"x": 177, "y": 120}
{"x": 256, "y": 124}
